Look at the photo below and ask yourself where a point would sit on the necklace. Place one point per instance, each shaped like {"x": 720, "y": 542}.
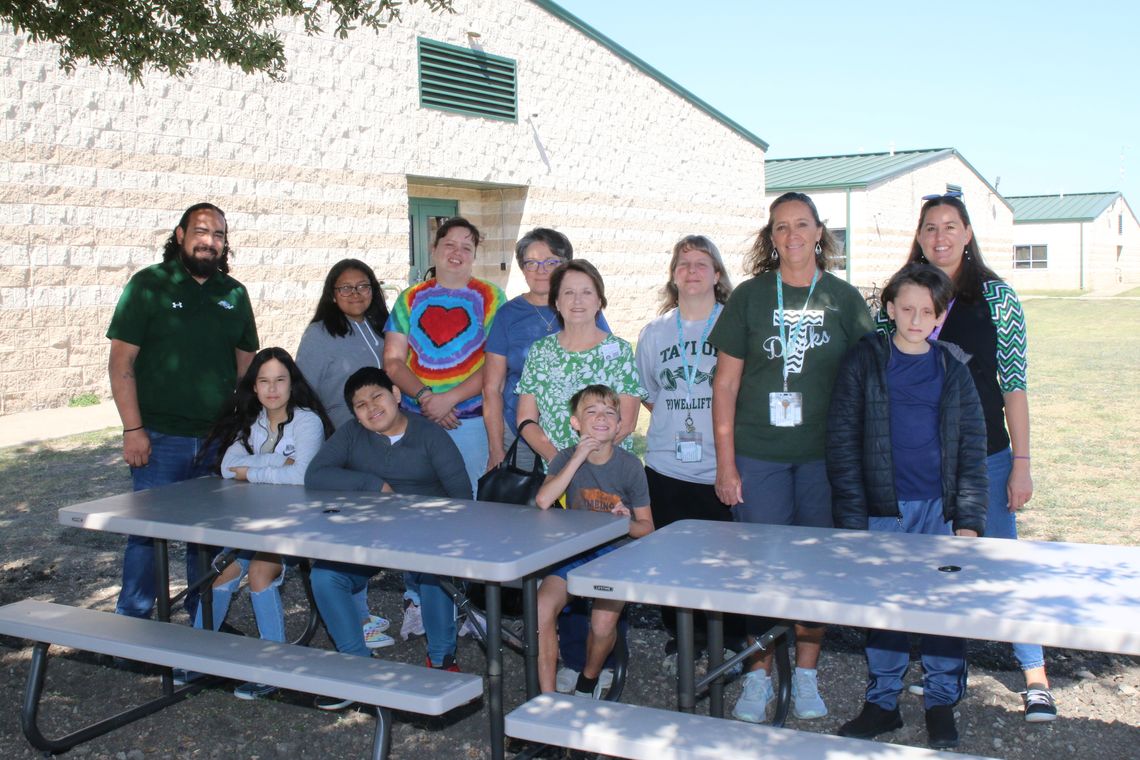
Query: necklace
{"x": 548, "y": 322}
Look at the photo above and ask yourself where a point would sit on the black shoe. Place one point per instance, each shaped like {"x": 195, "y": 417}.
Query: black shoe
{"x": 873, "y": 721}
{"x": 940, "y": 729}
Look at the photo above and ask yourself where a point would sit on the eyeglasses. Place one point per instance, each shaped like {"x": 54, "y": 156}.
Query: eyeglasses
{"x": 947, "y": 194}
{"x": 346, "y": 290}
{"x": 533, "y": 265}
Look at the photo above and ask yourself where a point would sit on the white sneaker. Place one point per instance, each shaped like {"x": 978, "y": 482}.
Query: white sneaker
{"x": 469, "y": 627}
{"x": 566, "y": 680}
{"x": 413, "y": 624}
{"x": 752, "y": 705}
{"x": 806, "y": 702}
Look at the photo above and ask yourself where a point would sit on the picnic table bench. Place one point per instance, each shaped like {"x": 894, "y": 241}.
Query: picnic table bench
{"x": 649, "y": 733}
{"x": 382, "y": 684}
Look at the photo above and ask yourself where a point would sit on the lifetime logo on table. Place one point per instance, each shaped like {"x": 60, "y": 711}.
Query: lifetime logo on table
{"x": 603, "y": 588}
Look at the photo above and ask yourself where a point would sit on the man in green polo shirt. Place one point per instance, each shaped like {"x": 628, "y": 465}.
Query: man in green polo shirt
{"x": 181, "y": 336}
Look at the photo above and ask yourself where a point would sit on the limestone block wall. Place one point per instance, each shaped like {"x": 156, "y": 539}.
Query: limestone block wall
{"x": 94, "y": 173}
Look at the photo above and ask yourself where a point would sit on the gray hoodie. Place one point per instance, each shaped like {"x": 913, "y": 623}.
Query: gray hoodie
{"x": 326, "y": 361}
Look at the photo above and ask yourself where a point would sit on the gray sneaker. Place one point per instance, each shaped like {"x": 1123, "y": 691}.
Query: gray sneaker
{"x": 757, "y": 694}
{"x": 806, "y": 702}
{"x": 251, "y": 690}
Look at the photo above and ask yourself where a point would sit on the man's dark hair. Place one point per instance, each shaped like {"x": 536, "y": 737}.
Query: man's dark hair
{"x": 172, "y": 250}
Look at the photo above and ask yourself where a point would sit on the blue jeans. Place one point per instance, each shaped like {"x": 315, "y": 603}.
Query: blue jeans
{"x": 471, "y": 440}
{"x": 335, "y": 584}
{"x": 267, "y": 608}
{"x": 888, "y": 652}
{"x": 1001, "y": 523}
{"x": 438, "y": 613}
{"x": 172, "y": 459}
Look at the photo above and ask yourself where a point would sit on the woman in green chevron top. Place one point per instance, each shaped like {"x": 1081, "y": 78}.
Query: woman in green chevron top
{"x": 985, "y": 319}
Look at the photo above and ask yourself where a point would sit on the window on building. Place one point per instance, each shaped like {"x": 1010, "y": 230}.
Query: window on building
{"x": 1120, "y": 224}
{"x": 838, "y": 261}
{"x": 467, "y": 81}
{"x": 1031, "y": 257}
{"x": 953, "y": 188}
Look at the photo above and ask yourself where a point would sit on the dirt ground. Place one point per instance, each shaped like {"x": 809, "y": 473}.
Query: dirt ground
{"x": 1098, "y": 695}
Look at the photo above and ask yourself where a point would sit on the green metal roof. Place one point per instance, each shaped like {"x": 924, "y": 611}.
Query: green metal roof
{"x": 843, "y": 172}
{"x": 1077, "y": 207}
{"x": 645, "y": 68}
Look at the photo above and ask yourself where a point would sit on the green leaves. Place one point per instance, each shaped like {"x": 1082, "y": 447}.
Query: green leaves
{"x": 137, "y": 36}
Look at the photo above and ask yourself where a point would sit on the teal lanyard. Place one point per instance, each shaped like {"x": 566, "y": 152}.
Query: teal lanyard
{"x": 795, "y": 337}
{"x": 691, "y": 372}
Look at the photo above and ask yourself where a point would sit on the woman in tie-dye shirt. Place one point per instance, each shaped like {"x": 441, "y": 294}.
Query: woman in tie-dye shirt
{"x": 434, "y": 338}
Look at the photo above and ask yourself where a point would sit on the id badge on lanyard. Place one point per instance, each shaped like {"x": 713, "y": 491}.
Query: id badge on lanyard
{"x": 786, "y": 409}
{"x": 689, "y": 443}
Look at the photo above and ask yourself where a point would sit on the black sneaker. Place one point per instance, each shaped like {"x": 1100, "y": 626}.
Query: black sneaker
{"x": 941, "y": 732}
{"x": 1039, "y": 704}
{"x": 331, "y": 704}
{"x": 871, "y": 722}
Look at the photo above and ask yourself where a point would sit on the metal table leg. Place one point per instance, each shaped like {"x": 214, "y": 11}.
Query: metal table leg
{"x": 495, "y": 668}
{"x": 686, "y": 665}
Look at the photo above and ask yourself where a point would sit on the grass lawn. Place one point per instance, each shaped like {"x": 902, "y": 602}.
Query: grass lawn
{"x": 1084, "y": 400}
{"x": 1134, "y": 293}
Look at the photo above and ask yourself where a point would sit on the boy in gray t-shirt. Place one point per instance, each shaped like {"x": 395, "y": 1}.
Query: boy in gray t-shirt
{"x": 597, "y": 476}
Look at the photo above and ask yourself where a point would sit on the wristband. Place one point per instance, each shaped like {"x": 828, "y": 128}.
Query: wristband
{"x": 421, "y": 392}
{"x": 131, "y": 430}
{"x": 1026, "y": 457}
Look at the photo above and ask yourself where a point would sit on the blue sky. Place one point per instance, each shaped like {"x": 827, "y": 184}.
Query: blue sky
{"x": 1048, "y": 100}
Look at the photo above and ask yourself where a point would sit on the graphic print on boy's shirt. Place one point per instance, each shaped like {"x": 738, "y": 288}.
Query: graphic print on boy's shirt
{"x": 596, "y": 500}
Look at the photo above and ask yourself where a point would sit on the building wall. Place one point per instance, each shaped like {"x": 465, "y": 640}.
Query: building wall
{"x": 96, "y": 171}
{"x": 884, "y": 217}
{"x": 1111, "y": 249}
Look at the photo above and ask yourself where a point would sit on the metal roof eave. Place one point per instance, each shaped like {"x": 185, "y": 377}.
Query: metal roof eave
{"x": 649, "y": 70}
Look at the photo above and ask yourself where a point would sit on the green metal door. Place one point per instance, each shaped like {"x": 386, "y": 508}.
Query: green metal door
{"x": 424, "y": 217}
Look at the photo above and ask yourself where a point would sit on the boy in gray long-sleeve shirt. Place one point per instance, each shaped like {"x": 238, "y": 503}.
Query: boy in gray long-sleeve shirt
{"x": 383, "y": 449}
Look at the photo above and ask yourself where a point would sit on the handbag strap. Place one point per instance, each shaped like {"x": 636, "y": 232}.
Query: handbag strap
{"x": 512, "y": 453}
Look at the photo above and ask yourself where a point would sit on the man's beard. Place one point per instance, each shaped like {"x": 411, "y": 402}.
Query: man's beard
{"x": 200, "y": 267}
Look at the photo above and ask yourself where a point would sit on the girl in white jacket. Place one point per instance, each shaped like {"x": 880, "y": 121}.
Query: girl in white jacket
{"x": 275, "y": 427}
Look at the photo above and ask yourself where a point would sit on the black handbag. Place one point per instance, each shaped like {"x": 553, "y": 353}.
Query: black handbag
{"x": 507, "y": 483}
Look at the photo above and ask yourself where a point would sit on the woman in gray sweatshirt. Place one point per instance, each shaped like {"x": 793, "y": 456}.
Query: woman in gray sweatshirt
{"x": 346, "y": 333}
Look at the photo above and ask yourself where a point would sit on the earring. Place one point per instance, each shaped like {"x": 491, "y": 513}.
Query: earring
{"x": 818, "y": 249}
{"x": 775, "y": 255}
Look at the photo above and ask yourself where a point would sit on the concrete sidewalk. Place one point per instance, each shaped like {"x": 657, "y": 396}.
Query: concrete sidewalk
{"x": 45, "y": 424}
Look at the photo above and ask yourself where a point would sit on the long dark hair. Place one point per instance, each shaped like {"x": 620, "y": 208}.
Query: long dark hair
{"x": 764, "y": 258}
{"x": 237, "y": 422}
{"x": 330, "y": 315}
{"x": 973, "y": 272}
{"x": 172, "y": 249}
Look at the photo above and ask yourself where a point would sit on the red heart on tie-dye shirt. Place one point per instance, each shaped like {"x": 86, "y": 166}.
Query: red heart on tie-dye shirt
{"x": 441, "y": 325}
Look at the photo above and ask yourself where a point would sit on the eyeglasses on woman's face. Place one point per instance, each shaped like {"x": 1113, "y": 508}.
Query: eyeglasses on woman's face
{"x": 362, "y": 288}
{"x": 547, "y": 265}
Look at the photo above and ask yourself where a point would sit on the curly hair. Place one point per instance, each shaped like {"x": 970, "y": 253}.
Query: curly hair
{"x": 172, "y": 249}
